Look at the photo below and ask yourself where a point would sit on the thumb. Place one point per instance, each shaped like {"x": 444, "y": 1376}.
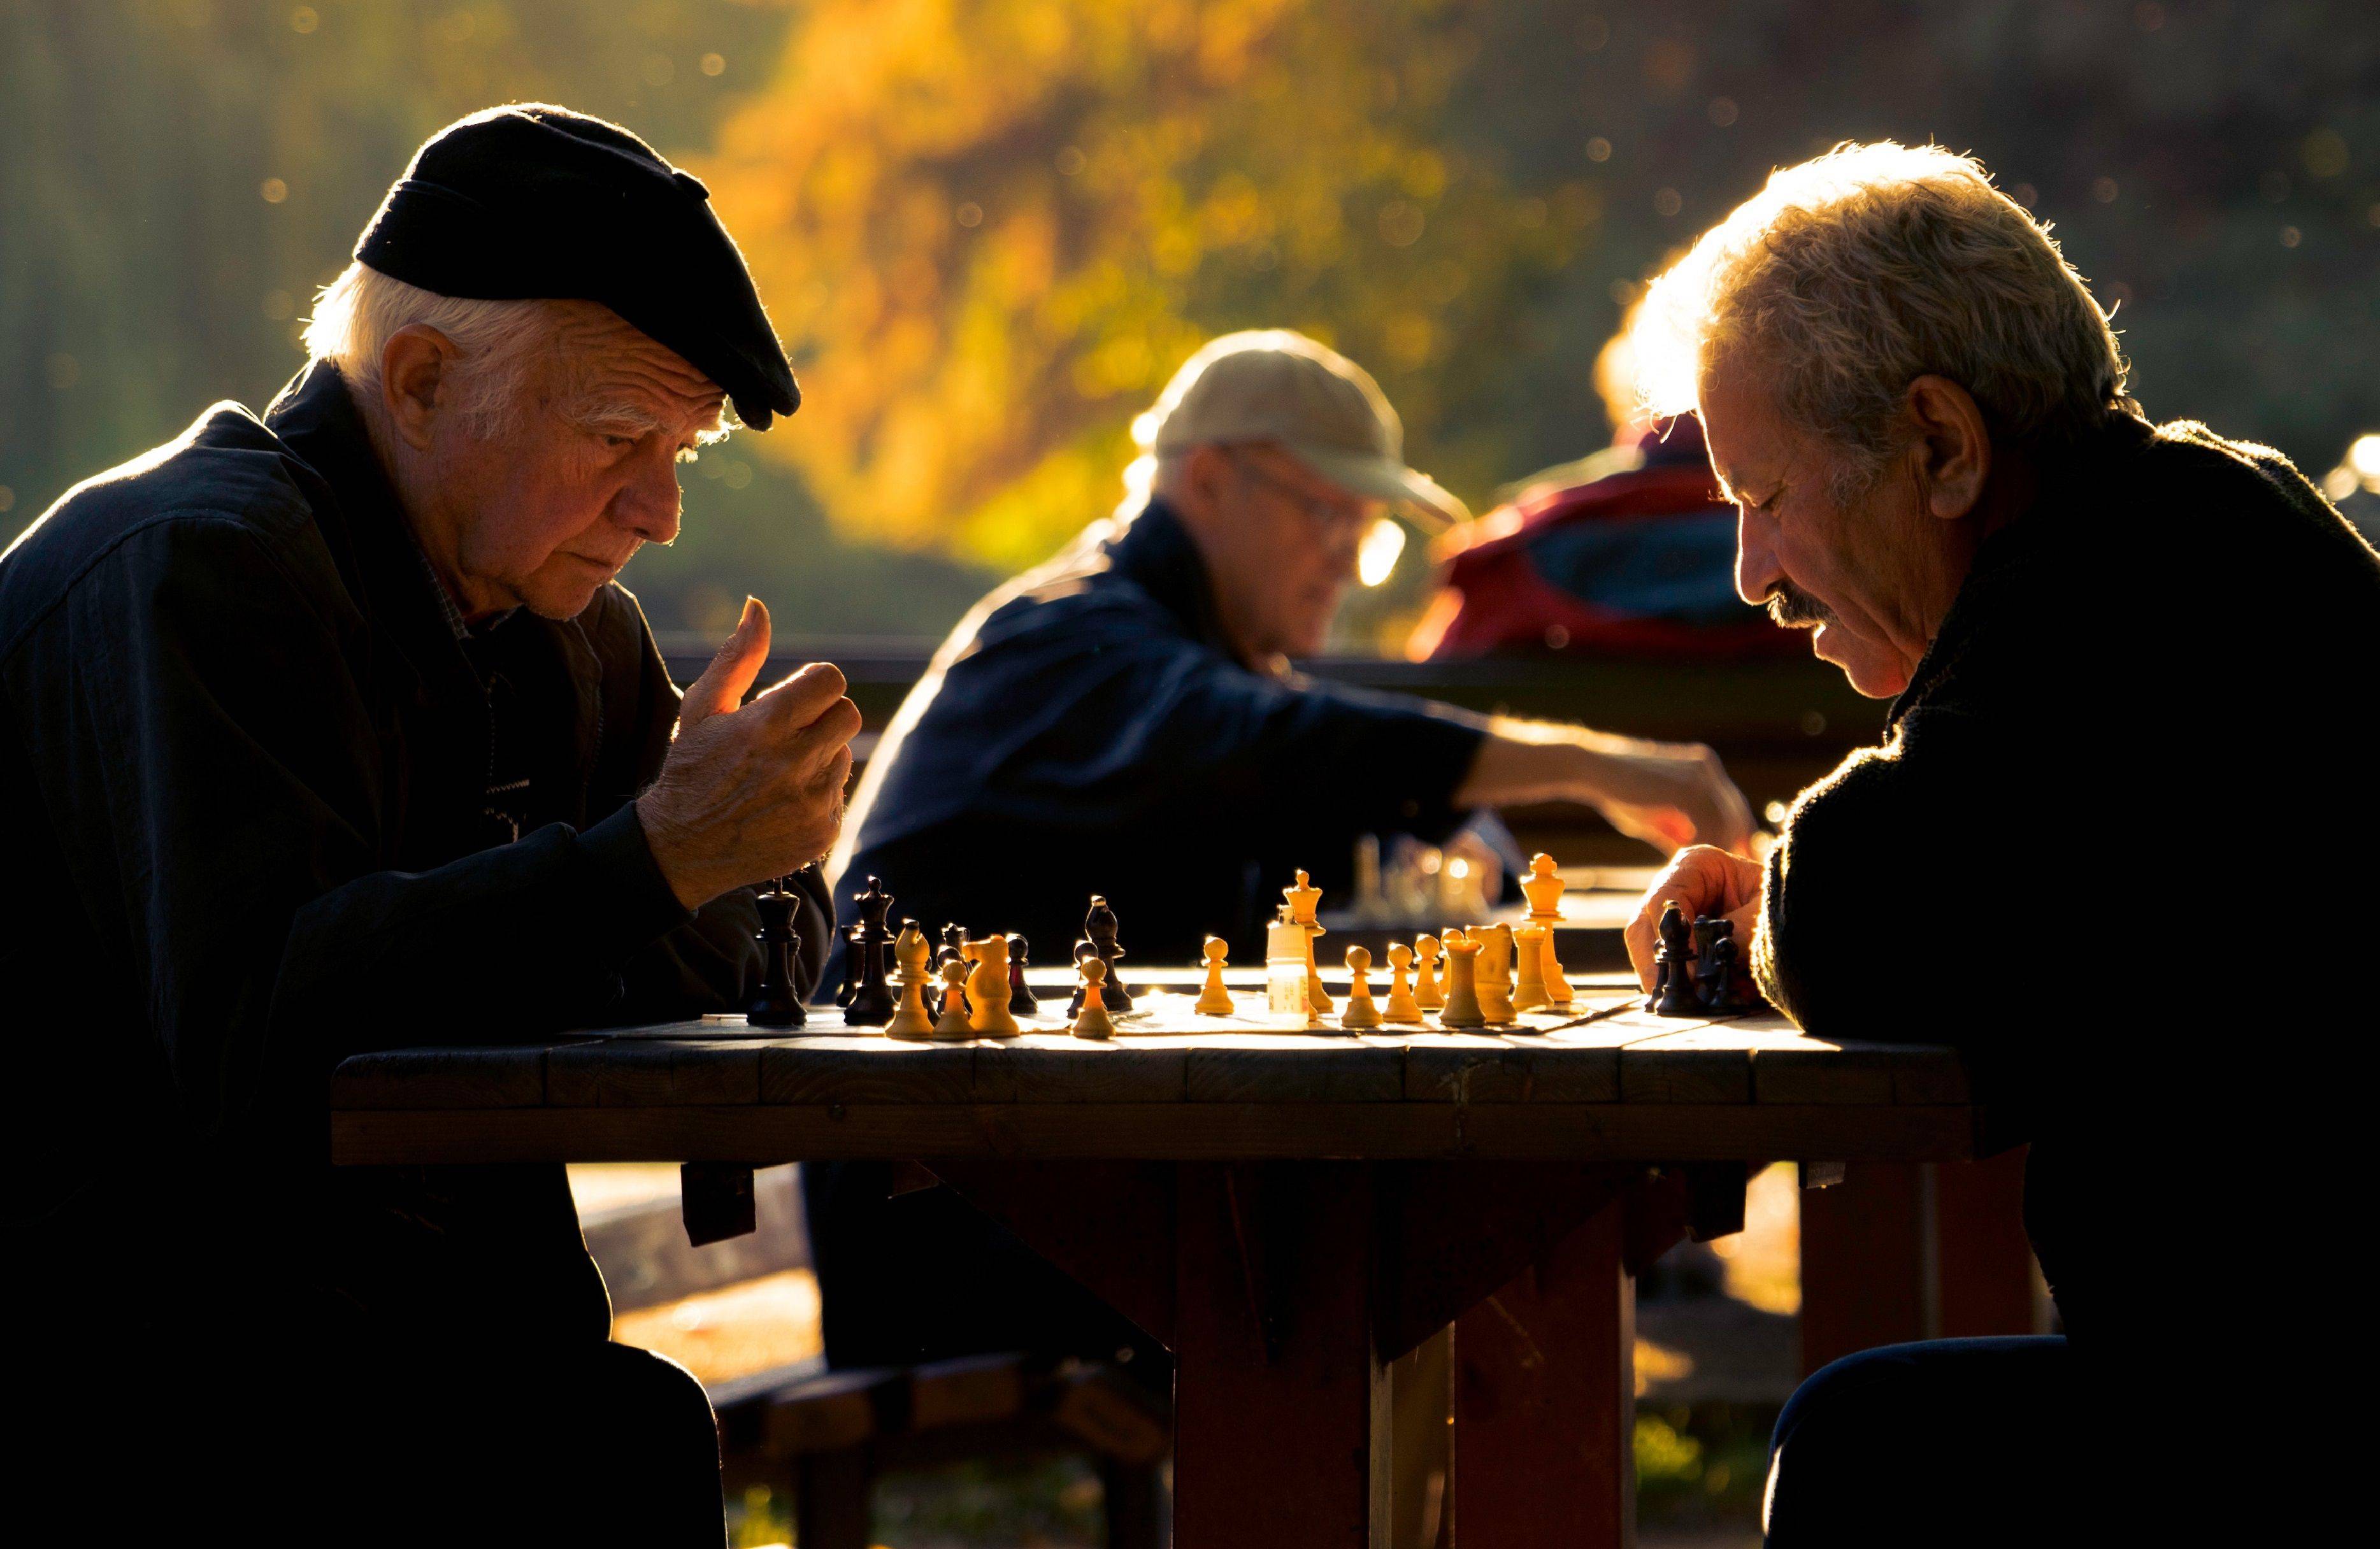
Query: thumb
{"x": 732, "y": 672}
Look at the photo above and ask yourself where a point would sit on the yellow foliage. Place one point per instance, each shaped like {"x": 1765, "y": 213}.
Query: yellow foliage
{"x": 991, "y": 229}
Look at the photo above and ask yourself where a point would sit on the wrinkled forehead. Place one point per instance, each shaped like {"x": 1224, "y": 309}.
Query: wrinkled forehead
{"x": 608, "y": 363}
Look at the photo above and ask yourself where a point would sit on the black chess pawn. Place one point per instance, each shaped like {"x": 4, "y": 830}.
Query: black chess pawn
{"x": 1673, "y": 967}
{"x": 777, "y": 1003}
{"x": 871, "y": 999}
{"x": 1099, "y": 930}
{"x": 1730, "y": 987}
{"x": 850, "y": 967}
{"x": 1020, "y": 994}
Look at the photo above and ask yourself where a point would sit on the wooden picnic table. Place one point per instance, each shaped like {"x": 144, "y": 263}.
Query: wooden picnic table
{"x": 1286, "y": 1210}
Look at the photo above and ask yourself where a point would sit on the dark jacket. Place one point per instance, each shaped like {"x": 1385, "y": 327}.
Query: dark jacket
{"x": 1085, "y": 730}
{"x": 246, "y": 764}
{"x": 2104, "y": 847}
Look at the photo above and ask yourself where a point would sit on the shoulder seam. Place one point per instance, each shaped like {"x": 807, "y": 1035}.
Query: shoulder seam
{"x": 193, "y": 515}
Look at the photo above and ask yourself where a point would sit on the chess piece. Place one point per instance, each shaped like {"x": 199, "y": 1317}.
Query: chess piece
{"x": 1426, "y": 995}
{"x": 1020, "y": 994}
{"x": 1099, "y": 930}
{"x": 1084, "y": 952}
{"x": 953, "y": 947}
{"x": 951, "y": 1022}
{"x": 1361, "y": 1012}
{"x": 1529, "y": 990}
{"x": 777, "y": 1002}
{"x": 1494, "y": 979}
{"x": 871, "y": 998}
{"x": 850, "y": 984}
{"x": 1461, "y": 983}
{"x": 1705, "y": 932}
{"x": 988, "y": 989}
{"x": 1673, "y": 968}
{"x": 1092, "y": 1020}
{"x": 1302, "y": 899}
{"x": 1544, "y": 888}
{"x": 1371, "y": 904}
{"x": 1214, "y": 1000}
{"x": 915, "y": 956}
{"x": 1724, "y": 981}
{"x": 1401, "y": 1008}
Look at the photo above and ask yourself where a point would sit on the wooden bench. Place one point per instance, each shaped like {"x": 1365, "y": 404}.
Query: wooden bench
{"x": 827, "y": 1436}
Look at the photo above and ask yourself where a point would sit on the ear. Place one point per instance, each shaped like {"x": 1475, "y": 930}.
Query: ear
{"x": 413, "y": 367}
{"x": 1203, "y": 475}
{"x": 1951, "y": 446}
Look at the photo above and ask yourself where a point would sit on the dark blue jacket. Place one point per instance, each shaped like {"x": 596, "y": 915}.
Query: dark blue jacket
{"x": 1085, "y": 730}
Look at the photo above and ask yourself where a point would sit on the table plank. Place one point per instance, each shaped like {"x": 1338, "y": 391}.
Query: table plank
{"x": 503, "y": 1077}
{"x": 858, "y": 1068}
{"x": 1292, "y": 1068}
{"x": 632, "y": 1073}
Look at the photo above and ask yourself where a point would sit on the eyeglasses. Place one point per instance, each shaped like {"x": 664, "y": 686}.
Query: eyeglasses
{"x": 1332, "y": 517}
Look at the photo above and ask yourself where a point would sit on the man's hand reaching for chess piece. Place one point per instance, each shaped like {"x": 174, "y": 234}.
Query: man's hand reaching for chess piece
{"x": 1701, "y": 880}
{"x": 749, "y": 792}
{"x": 1669, "y": 795}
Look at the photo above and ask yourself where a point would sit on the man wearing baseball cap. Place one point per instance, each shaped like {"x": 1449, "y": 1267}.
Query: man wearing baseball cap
{"x": 329, "y": 731}
{"x": 1122, "y": 722}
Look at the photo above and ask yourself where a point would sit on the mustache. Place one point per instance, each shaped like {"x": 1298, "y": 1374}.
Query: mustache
{"x": 1791, "y": 607}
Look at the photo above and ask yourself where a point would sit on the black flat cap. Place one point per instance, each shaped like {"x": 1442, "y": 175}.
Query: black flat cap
{"x": 537, "y": 202}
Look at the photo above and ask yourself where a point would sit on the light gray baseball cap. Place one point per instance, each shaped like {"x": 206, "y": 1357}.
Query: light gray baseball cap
{"x": 1272, "y": 384}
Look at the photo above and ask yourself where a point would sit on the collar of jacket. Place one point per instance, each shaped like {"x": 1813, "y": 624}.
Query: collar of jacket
{"x": 1156, "y": 552}
{"x": 2071, "y": 482}
{"x": 316, "y": 419}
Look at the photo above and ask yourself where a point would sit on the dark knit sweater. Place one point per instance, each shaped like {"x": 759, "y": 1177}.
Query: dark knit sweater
{"x": 2115, "y": 846}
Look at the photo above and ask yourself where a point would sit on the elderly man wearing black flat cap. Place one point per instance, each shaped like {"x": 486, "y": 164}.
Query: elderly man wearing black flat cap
{"x": 328, "y": 731}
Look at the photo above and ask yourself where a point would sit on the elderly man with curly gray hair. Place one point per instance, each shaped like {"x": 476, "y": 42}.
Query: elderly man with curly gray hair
{"x": 2104, "y": 845}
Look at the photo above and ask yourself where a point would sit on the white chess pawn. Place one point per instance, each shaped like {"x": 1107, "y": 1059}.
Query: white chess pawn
{"x": 1530, "y": 993}
{"x": 1214, "y": 1000}
{"x": 1426, "y": 995}
{"x": 951, "y": 1027}
{"x": 1093, "y": 1021}
{"x": 1401, "y": 1006}
{"x": 1360, "y": 1014}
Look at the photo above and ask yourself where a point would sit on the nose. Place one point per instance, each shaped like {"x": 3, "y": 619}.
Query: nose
{"x": 647, "y": 504}
{"x": 1756, "y": 570}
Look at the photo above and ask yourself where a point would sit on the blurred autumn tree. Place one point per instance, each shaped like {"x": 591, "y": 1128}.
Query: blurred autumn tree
{"x": 988, "y": 229}
{"x": 997, "y": 228}
{"x": 992, "y": 227}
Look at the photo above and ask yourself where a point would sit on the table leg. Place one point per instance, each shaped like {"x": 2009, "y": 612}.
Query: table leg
{"x": 1279, "y": 1402}
{"x": 1544, "y": 1401}
{"x": 1898, "y": 1251}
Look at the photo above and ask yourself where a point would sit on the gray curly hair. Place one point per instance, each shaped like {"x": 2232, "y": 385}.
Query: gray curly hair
{"x": 1850, "y": 275}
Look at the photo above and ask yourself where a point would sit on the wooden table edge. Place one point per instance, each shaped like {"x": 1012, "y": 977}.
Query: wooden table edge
{"x": 767, "y": 1135}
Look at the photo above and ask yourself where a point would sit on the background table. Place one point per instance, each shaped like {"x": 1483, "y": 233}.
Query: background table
{"x": 1287, "y": 1210}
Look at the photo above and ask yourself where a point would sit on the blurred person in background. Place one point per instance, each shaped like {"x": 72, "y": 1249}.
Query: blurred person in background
{"x": 1628, "y": 550}
{"x": 330, "y": 731}
{"x": 2102, "y": 637}
{"x": 1122, "y": 722}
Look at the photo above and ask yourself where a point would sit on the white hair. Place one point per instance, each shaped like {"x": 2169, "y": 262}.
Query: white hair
{"x": 1848, "y": 276}
{"x": 356, "y": 315}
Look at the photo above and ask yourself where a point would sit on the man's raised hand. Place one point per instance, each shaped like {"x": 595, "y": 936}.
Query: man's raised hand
{"x": 1701, "y": 879}
{"x": 749, "y": 792}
